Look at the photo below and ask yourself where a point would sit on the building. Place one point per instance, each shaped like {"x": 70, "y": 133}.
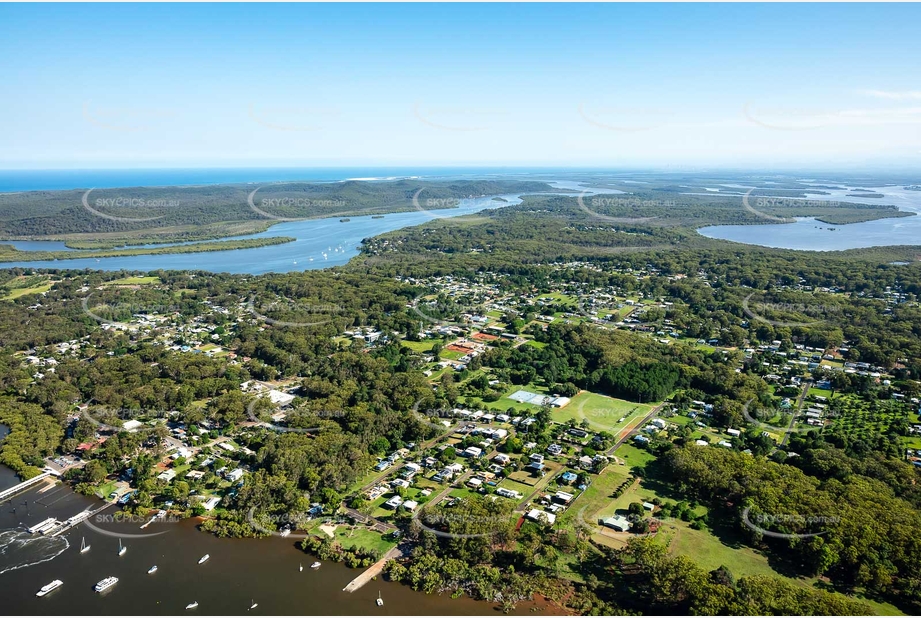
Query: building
{"x": 618, "y": 523}
{"x": 541, "y": 517}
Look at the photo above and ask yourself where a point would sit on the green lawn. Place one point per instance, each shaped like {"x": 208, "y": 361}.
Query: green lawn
{"x": 135, "y": 281}
{"x": 601, "y": 412}
{"x": 634, "y": 456}
{"x": 362, "y": 537}
{"x": 37, "y": 289}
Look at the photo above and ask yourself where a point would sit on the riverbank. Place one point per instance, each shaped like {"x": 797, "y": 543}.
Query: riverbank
{"x": 11, "y": 254}
{"x": 239, "y": 572}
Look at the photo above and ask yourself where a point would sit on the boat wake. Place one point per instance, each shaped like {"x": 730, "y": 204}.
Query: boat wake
{"x": 19, "y": 549}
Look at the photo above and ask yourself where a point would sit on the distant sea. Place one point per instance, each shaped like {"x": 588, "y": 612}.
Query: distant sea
{"x": 48, "y": 180}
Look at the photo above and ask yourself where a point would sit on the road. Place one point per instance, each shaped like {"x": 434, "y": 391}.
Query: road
{"x": 799, "y": 410}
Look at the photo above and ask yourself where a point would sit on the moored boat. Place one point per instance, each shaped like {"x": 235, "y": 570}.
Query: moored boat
{"x": 49, "y": 587}
{"x": 152, "y": 569}
{"x": 106, "y": 583}
{"x": 204, "y": 559}
{"x": 192, "y": 605}
{"x": 315, "y": 565}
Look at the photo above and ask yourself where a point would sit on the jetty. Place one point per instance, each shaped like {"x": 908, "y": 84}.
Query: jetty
{"x": 373, "y": 571}
{"x": 76, "y": 520}
{"x": 12, "y": 491}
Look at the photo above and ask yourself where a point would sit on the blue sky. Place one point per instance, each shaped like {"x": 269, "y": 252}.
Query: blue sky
{"x": 752, "y": 85}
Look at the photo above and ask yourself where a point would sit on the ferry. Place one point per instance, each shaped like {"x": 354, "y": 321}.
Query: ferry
{"x": 152, "y": 570}
{"x": 192, "y": 605}
{"x": 204, "y": 559}
{"x": 105, "y": 584}
{"x": 49, "y": 587}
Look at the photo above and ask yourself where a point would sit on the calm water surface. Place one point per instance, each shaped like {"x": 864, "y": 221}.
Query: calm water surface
{"x": 239, "y": 572}
{"x": 811, "y": 235}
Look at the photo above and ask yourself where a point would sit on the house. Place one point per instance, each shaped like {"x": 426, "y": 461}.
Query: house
{"x": 475, "y": 482}
{"x": 400, "y": 483}
{"x": 734, "y": 432}
{"x": 167, "y": 475}
{"x": 537, "y": 458}
{"x": 618, "y": 522}
{"x": 541, "y": 517}
{"x": 641, "y": 439}
{"x": 472, "y": 451}
{"x": 649, "y": 506}
{"x": 410, "y": 505}
{"x": 568, "y": 477}
{"x": 235, "y": 475}
{"x": 586, "y": 462}
{"x": 502, "y": 459}
{"x": 508, "y": 493}
{"x": 410, "y": 470}
{"x": 563, "y": 497}
{"x": 578, "y": 433}
{"x": 394, "y": 502}
{"x": 701, "y": 443}
{"x": 210, "y": 503}
{"x": 554, "y": 449}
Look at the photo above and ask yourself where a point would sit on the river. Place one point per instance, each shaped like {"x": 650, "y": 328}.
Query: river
{"x": 811, "y": 235}
{"x": 240, "y": 571}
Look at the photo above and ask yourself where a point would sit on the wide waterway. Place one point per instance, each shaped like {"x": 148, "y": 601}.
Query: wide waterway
{"x": 239, "y": 572}
{"x": 811, "y": 235}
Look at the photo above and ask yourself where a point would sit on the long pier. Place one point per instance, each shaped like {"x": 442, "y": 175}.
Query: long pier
{"x": 373, "y": 571}
{"x": 8, "y": 493}
{"x": 77, "y": 519}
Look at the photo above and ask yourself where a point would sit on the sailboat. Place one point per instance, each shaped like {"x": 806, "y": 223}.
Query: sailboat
{"x": 121, "y": 548}
{"x": 380, "y": 601}
{"x": 254, "y": 605}
{"x": 83, "y": 546}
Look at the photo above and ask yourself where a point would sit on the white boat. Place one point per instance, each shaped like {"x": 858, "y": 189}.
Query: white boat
{"x": 253, "y": 605}
{"x": 286, "y": 532}
{"x": 315, "y": 565}
{"x": 152, "y": 569}
{"x": 380, "y": 601}
{"x": 121, "y": 548}
{"x": 300, "y": 567}
{"x": 295, "y": 262}
{"x": 83, "y": 546}
{"x": 105, "y": 584}
{"x": 49, "y": 587}
{"x": 192, "y": 605}
{"x": 204, "y": 559}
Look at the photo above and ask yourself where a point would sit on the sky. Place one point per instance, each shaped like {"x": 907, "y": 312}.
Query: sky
{"x": 613, "y": 85}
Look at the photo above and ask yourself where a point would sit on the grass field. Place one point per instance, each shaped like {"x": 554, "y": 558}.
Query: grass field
{"x": 18, "y": 292}
{"x": 135, "y": 281}
{"x": 602, "y": 413}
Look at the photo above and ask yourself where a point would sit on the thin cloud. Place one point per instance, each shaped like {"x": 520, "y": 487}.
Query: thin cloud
{"x": 892, "y": 95}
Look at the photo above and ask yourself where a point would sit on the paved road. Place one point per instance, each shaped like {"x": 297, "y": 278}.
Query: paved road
{"x": 799, "y": 409}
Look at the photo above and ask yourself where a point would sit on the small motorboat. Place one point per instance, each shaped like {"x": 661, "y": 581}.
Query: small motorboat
{"x": 300, "y": 567}
{"x": 253, "y": 605}
{"x": 315, "y": 565}
{"x": 152, "y": 570}
{"x": 83, "y": 546}
{"x": 204, "y": 559}
{"x": 192, "y": 605}
{"x": 380, "y": 601}
{"x": 121, "y": 548}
